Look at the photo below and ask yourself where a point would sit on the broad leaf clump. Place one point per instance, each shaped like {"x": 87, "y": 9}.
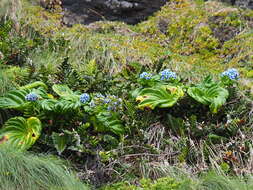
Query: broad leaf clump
{"x": 20, "y": 132}
{"x": 209, "y": 93}
{"x": 164, "y": 96}
{"x": 41, "y": 107}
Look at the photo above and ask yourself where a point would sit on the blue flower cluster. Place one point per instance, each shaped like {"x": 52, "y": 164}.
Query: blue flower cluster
{"x": 84, "y": 98}
{"x": 232, "y": 74}
{"x": 32, "y": 97}
{"x": 98, "y": 99}
{"x": 146, "y": 75}
{"x": 113, "y": 103}
{"x": 167, "y": 75}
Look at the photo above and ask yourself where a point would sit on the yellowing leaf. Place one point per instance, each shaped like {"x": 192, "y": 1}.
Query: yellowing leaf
{"x": 161, "y": 96}
{"x": 21, "y": 132}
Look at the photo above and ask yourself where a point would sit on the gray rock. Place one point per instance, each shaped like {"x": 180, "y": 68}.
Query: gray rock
{"x": 240, "y": 3}
{"x": 129, "y": 11}
{"x": 244, "y": 3}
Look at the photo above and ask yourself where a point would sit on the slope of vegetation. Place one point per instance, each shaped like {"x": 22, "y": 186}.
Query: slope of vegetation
{"x": 128, "y": 103}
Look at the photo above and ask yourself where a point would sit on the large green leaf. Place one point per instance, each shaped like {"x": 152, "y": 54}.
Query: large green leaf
{"x": 21, "y": 132}
{"x": 209, "y": 93}
{"x": 69, "y": 98}
{"x": 60, "y": 141}
{"x": 63, "y": 106}
{"x": 34, "y": 85}
{"x": 164, "y": 96}
{"x": 62, "y": 90}
{"x": 14, "y": 99}
{"x": 48, "y": 104}
{"x": 59, "y": 106}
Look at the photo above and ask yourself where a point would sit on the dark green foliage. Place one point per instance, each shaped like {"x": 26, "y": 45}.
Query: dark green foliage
{"x": 106, "y": 121}
{"x": 60, "y": 141}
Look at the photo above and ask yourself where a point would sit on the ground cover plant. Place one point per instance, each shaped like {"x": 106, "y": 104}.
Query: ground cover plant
{"x": 205, "y": 182}
{"x": 123, "y": 104}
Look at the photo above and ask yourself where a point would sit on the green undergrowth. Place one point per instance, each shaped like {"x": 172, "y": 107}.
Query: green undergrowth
{"x": 197, "y": 121}
{"x": 25, "y": 171}
{"x": 209, "y": 181}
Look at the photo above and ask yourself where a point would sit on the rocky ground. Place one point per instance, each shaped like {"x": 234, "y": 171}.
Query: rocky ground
{"x": 88, "y": 11}
{"x": 241, "y": 3}
{"x": 128, "y": 11}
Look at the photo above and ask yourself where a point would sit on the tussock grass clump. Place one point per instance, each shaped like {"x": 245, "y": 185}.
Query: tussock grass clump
{"x": 24, "y": 171}
{"x": 213, "y": 181}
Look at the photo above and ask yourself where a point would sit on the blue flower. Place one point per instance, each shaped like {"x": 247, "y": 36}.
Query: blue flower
{"x": 146, "y": 75}
{"x": 107, "y": 100}
{"x": 232, "y": 74}
{"x": 167, "y": 75}
{"x": 32, "y": 97}
{"x": 84, "y": 98}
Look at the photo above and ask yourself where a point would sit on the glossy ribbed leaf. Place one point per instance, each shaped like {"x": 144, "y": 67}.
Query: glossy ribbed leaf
{"x": 34, "y": 85}
{"x": 209, "y": 93}
{"x": 62, "y": 90}
{"x": 161, "y": 96}
{"x": 48, "y": 104}
{"x": 21, "y": 132}
{"x": 14, "y": 99}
